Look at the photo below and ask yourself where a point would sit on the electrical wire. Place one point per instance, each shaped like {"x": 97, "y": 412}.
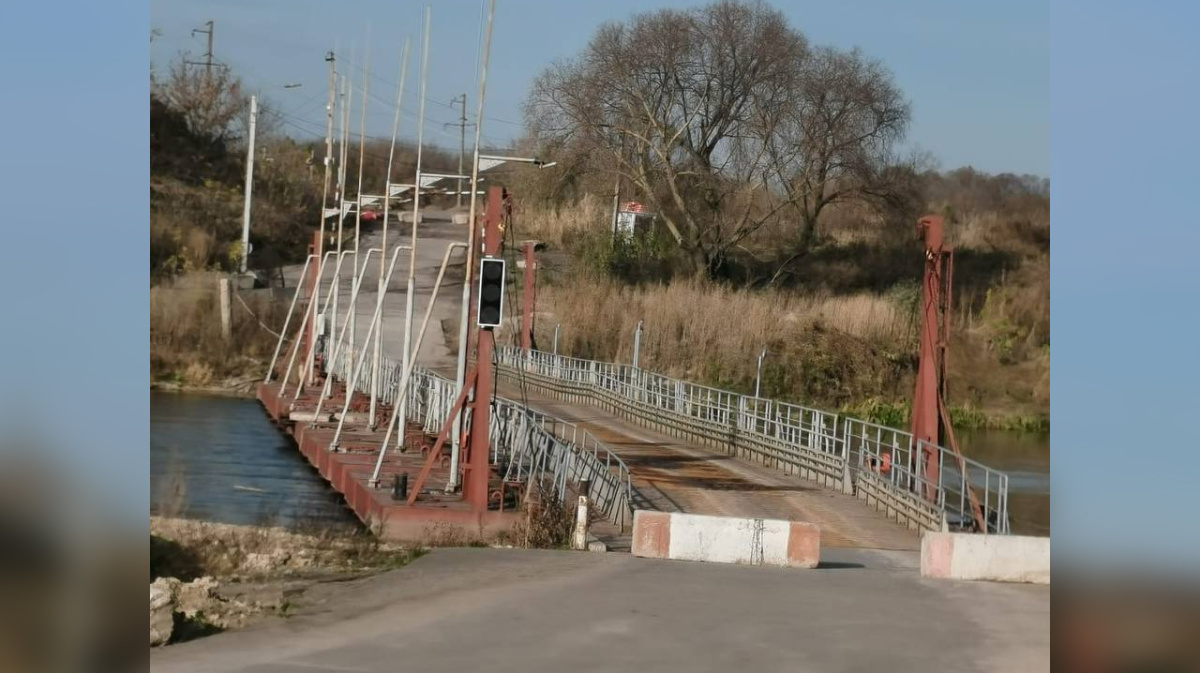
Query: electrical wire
{"x": 509, "y": 234}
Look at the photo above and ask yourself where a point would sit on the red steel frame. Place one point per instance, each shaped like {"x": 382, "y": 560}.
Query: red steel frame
{"x": 930, "y": 418}
{"x": 477, "y": 388}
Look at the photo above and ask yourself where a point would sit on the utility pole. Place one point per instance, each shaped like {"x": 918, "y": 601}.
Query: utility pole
{"x": 462, "y": 141}
{"x": 208, "y": 54}
{"x": 319, "y": 248}
{"x": 249, "y": 184}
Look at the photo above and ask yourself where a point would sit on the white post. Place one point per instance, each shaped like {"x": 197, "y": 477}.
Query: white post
{"x": 249, "y": 184}
{"x": 387, "y": 200}
{"x": 226, "y": 318}
{"x": 343, "y": 152}
{"x": 758, "y": 372}
{"x": 556, "y": 327}
{"x": 579, "y": 535}
{"x": 472, "y": 226}
{"x": 410, "y": 297}
{"x": 287, "y": 320}
{"x": 362, "y": 147}
{"x": 637, "y": 345}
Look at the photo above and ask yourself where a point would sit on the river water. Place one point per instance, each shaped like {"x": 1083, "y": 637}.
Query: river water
{"x": 1025, "y": 458}
{"x": 237, "y": 467}
{"x": 234, "y": 464}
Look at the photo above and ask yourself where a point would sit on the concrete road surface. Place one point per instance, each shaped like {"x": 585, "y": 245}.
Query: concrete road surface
{"x": 498, "y": 610}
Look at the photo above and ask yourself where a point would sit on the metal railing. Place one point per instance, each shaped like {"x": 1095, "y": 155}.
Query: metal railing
{"x": 526, "y": 444}
{"x": 877, "y": 464}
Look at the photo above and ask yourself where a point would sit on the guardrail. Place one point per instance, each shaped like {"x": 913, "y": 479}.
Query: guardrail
{"x": 526, "y": 444}
{"x": 873, "y": 462}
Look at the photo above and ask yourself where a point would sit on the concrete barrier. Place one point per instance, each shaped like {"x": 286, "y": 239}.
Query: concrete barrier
{"x": 999, "y": 558}
{"x": 719, "y": 539}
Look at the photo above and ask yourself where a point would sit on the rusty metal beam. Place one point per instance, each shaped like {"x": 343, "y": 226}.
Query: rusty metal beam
{"x": 443, "y": 434}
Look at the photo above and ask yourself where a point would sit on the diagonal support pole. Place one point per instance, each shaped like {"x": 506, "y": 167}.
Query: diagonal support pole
{"x": 443, "y": 434}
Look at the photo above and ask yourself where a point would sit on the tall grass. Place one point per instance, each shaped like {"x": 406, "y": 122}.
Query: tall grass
{"x": 557, "y": 226}
{"x": 186, "y": 343}
{"x": 821, "y": 347}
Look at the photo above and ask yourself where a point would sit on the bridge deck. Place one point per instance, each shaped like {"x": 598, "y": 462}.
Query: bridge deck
{"x": 674, "y": 475}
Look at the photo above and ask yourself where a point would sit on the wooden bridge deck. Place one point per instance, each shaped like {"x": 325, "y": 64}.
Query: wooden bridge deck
{"x": 673, "y": 475}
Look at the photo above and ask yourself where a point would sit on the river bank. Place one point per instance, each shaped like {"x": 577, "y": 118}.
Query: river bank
{"x": 240, "y": 387}
{"x": 208, "y": 577}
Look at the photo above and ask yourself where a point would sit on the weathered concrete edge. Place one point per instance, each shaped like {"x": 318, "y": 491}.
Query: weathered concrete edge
{"x": 996, "y": 558}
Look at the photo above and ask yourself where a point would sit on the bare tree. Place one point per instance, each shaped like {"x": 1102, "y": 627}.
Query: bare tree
{"x": 674, "y": 102}
{"x": 836, "y": 138}
{"x": 213, "y": 105}
{"x": 725, "y": 121}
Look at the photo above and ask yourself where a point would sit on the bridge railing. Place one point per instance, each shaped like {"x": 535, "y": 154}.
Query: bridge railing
{"x": 876, "y": 462}
{"x": 526, "y": 444}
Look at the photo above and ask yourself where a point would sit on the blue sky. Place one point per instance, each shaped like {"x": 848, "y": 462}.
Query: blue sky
{"x": 977, "y": 74}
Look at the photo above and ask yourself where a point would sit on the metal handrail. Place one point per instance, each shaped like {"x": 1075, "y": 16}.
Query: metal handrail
{"x": 881, "y": 461}
{"x": 527, "y": 443}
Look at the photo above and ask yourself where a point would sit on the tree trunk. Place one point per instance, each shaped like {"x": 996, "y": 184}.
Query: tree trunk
{"x": 807, "y": 233}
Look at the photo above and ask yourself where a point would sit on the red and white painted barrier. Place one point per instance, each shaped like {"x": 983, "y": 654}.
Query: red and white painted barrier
{"x": 720, "y": 539}
{"x": 999, "y": 558}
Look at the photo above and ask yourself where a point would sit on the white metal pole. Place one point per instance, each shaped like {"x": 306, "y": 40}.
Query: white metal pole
{"x": 300, "y": 381}
{"x": 309, "y": 370}
{"x": 637, "y": 345}
{"x": 292, "y": 362}
{"x": 249, "y": 185}
{"x": 556, "y": 327}
{"x": 758, "y": 373}
{"x": 402, "y": 391}
{"x": 287, "y": 320}
{"x": 410, "y": 297}
{"x": 387, "y": 200}
{"x": 325, "y": 307}
{"x": 362, "y": 146}
{"x": 338, "y": 349}
{"x": 315, "y": 309}
{"x": 472, "y": 226}
{"x": 341, "y": 199}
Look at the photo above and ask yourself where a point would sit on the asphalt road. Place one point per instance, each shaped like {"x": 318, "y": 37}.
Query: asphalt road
{"x": 502, "y": 610}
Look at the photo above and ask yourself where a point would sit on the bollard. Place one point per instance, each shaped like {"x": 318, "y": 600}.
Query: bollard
{"x": 579, "y": 536}
{"x": 226, "y": 316}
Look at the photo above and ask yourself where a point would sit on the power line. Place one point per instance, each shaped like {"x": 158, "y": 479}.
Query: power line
{"x": 450, "y": 105}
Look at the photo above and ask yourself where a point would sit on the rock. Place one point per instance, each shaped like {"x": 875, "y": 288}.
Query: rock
{"x": 162, "y": 610}
{"x": 261, "y": 564}
{"x": 195, "y": 597}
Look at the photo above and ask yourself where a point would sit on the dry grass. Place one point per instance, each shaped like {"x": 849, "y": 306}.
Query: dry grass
{"x": 558, "y": 226}
{"x": 695, "y": 321}
{"x": 186, "y": 343}
{"x": 822, "y": 349}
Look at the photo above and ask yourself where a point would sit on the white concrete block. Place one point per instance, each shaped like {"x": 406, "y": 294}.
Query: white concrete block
{"x": 1000, "y": 558}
